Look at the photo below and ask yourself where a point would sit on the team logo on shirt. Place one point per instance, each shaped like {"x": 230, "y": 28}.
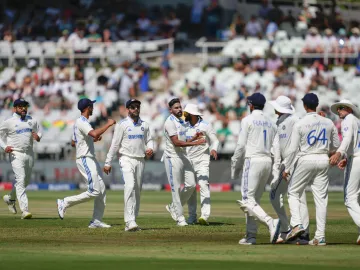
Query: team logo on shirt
{"x": 283, "y": 127}
{"x": 30, "y": 124}
{"x": 142, "y": 128}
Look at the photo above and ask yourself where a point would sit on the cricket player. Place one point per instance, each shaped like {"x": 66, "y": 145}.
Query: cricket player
{"x": 177, "y": 165}
{"x": 200, "y": 158}
{"x": 316, "y": 136}
{"x": 278, "y": 185}
{"x": 17, "y": 135}
{"x": 83, "y": 139}
{"x": 133, "y": 141}
{"x": 348, "y": 155}
{"x": 256, "y": 137}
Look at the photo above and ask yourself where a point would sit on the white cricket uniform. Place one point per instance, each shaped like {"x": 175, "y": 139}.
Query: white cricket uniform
{"x": 18, "y": 134}
{"x": 177, "y": 165}
{"x": 252, "y": 152}
{"x": 199, "y": 156}
{"x": 281, "y": 145}
{"x": 89, "y": 168}
{"x": 350, "y": 147}
{"x": 131, "y": 140}
{"x": 316, "y": 136}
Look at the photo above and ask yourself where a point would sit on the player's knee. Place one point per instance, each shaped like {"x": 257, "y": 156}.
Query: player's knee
{"x": 204, "y": 184}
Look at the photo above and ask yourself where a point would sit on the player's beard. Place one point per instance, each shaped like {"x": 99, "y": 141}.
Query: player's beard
{"x": 188, "y": 118}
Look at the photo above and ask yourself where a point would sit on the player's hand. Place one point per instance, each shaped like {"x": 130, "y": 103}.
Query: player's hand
{"x": 107, "y": 169}
{"x": 213, "y": 153}
{"x": 335, "y": 158}
{"x": 98, "y": 139}
{"x": 149, "y": 152}
{"x": 200, "y": 141}
{"x": 322, "y": 113}
{"x": 342, "y": 164}
{"x": 35, "y": 136}
{"x": 111, "y": 122}
{"x": 8, "y": 149}
{"x": 285, "y": 176}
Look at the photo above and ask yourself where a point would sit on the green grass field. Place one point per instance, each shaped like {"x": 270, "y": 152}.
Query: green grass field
{"x": 46, "y": 242}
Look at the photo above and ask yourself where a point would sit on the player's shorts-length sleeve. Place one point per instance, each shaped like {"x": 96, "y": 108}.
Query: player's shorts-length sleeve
{"x": 170, "y": 128}
{"x": 84, "y": 127}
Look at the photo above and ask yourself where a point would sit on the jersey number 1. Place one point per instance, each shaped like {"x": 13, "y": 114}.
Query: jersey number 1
{"x": 265, "y": 138}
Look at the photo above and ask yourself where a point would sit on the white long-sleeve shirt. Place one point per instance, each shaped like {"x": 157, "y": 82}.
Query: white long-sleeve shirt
{"x": 130, "y": 139}
{"x": 201, "y": 152}
{"x": 256, "y": 137}
{"x": 350, "y": 130}
{"x": 18, "y": 133}
{"x": 174, "y": 126}
{"x": 83, "y": 141}
{"x": 314, "y": 135}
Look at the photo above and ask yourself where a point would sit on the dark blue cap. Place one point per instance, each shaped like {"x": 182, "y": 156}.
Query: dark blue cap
{"x": 130, "y": 101}
{"x": 20, "y": 102}
{"x": 257, "y": 99}
{"x": 310, "y": 99}
{"x": 84, "y": 103}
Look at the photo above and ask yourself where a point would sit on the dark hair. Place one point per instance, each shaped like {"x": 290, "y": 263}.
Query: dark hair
{"x": 311, "y": 106}
{"x": 173, "y": 101}
{"x": 258, "y": 107}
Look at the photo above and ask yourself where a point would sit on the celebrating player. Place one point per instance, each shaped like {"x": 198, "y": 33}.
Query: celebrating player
{"x": 255, "y": 140}
{"x": 19, "y": 132}
{"x": 83, "y": 139}
{"x": 133, "y": 141}
{"x": 350, "y": 154}
{"x": 316, "y": 136}
{"x": 200, "y": 158}
{"x": 278, "y": 185}
{"x": 177, "y": 166}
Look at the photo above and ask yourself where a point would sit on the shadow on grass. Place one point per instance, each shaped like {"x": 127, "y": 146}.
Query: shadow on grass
{"x": 46, "y": 218}
{"x": 220, "y": 224}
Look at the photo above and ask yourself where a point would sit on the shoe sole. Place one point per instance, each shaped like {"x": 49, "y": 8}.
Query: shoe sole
{"x": 28, "y": 216}
{"x": 321, "y": 244}
{"x": 168, "y": 209}
{"x": 57, "y": 204}
{"x": 246, "y": 244}
{"x": 297, "y": 234}
{"x": 203, "y": 222}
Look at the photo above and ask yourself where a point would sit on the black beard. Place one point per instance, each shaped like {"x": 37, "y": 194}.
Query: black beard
{"x": 188, "y": 118}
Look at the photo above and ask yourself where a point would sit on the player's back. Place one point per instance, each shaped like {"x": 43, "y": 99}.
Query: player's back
{"x": 84, "y": 142}
{"x": 284, "y": 130}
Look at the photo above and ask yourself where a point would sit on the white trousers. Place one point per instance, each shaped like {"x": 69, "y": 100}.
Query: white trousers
{"x": 313, "y": 170}
{"x": 132, "y": 171}
{"x": 256, "y": 173}
{"x": 180, "y": 170}
{"x": 352, "y": 189}
{"x": 277, "y": 195}
{"x": 22, "y": 165}
{"x": 201, "y": 168}
{"x": 90, "y": 169}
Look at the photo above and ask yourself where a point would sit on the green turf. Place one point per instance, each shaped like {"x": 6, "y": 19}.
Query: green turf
{"x": 46, "y": 242}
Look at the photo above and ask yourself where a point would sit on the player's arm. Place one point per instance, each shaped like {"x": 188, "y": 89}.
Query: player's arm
{"x": 36, "y": 133}
{"x": 171, "y": 131}
{"x": 96, "y": 133}
{"x": 114, "y": 147}
{"x": 277, "y": 158}
{"x": 347, "y": 131}
{"x": 237, "y": 159}
{"x": 214, "y": 141}
{"x": 293, "y": 150}
{"x": 3, "y": 134}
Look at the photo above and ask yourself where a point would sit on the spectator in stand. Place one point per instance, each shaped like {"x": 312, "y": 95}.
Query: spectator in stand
{"x": 213, "y": 19}
{"x": 79, "y": 72}
{"x": 63, "y": 44}
{"x": 237, "y": 27}
{"x": 47, "y": 73}
{"x": 270, "y": 30}
{"x": 239, "y": 109}
{"x": 343, "y": 46}
{"x": 273, "y": 62}
{"x": 174, "y": 22}
{"x": 276, "y": 14}
{"x": 126, "y": 87}
{"x": 165, "y": 66}
{"x": 264, "y": 9}
{"x": 329, "y": 41}
{"x": 80, "y": 43}
{"x": 229, "y": 8}
{"x": 223, "y": 132}
{"x": 313, "y": 42}
{"x": 253, "y": 27}
{"x": 316, "y": 81}
{"x": 143, "y": 23}
{"x": 334, "y": 85}
{"x": 302, "y": 83}
{"x": 195, "y": 90}
{"x": 9, "y": 36}
{"x": 289, "y": 18}
{"x": 337, "y": 24}
{"x": 258, "y": 63}
{"x": 93, "y": 36}
{"x": 355, "y": 40}
{"x": 197, "y": 11}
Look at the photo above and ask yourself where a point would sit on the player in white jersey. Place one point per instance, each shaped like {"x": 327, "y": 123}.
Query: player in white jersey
{"x": 253, "y": 156}
{"x": 132, "y": 140}
{"x": 278, "y": 185}
{"x": 177, "y": 166}
{"x": 16, "y": 137}
{"x": 200, "y": 159}
{"x": 316, "y": 136}
{"x": 349, "y": 153}
{"x": 83, "y": 139}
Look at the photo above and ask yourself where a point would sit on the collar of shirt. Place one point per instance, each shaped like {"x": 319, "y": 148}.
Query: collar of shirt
{"x": 135, "y": 123}
{"x": 177, "y": 119}
{"x": 257, "y": 112}
{"x": 310, "y": 113}
{"x": 84, "y": 118}
{"x": 19, "y": 116}
{"x": 282, "y": 118}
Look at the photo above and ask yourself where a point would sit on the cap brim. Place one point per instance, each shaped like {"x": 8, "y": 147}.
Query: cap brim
{"x": 281, "y": 109}
{"x": 194, "y": 113}
{"x": 335, "y": 106}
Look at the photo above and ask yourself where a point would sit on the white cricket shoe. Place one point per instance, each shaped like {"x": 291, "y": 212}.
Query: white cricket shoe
{"x": 10, "y": 204}
{"x": 358, "y": 240}
{"x": 191, "y": 220}
{"x": 247, "y": 241}
{"x": 295, "y": 232}
{"x": 172, "y": 212}
{"x": 98, "y": 224}
{"x": 131, "y": 226}
{"x": 181, "y": 222}
{"x": 61, "y": 208}
{"x": 318, "y": 242}
{"x": 26, "y": 215}
{"x": 274, "y": 229}
{"x": 203, "y": 221}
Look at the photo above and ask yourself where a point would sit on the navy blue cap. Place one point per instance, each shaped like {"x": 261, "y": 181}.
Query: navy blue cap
{"x": 20, "y": 102}
{"x": 310, "y": 99}
{"x": 257, "y": 99}
{"x": 130, "y": 101}
{"x": 84, "y": 103}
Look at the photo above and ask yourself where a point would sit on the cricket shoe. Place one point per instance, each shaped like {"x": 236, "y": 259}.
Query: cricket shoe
{"x": 10, "y": 204}
{"x": 274, "y": 229}
{"x": 181, "y": 222}
{"x": 203, "y": 221}
{"x": 247, "y": 241}
{"x": 295, "y": 232}
{"x": 318, "y": 242}
{"x": 171, "y": 210}
{"x": 26, "y": 215}
{"x": 131, "y": 226}
{"x": 191, "y": 220}
{"x": 358, "y": 240}
{"x": 98, "y": 224}
{"x": 61, "y": 208}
